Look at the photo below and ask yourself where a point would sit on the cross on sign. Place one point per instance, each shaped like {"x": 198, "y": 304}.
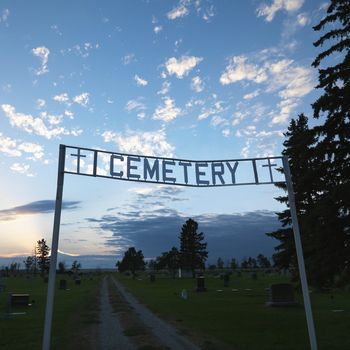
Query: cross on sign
{"x": 78, "y": 155}
{"x": 269, "y": 165}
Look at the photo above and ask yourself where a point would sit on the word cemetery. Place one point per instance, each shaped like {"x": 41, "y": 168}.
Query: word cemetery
{"x": 89, "y": 162}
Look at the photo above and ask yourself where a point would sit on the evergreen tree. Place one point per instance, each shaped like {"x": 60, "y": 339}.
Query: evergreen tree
{"x": 263, "y": 261}
{"x": 192, "y": 249}
{"x": 42, "y": 256}
{"x": 298, "y": 147}
{"x": 133, "y": 260}
{"x": 333, "y": 142}
{"x": 169, "y": 260}
{"x": 29, "y": 263}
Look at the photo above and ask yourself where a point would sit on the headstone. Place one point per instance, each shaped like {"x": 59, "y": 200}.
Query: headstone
{"x": 78, "y": 281}
{"x": 152, "y": 277}
{"x": 63, "y": 284}
{"x": 19, "y": 299}
{"x": 184, "y": 294}
{"x": 282, "y": 294}
{"x": 254, "y": 276}
{"x": 201, "y": 284}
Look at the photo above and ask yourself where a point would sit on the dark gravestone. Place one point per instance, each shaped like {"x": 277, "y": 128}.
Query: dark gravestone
{"x": 281, "y": 294}
{"x": 63, "y": 284}
{"x": 201, "y": 284}
{"x": 19, "y": 299}
{"x": 152, "y": 278}
{"x": 78, "y": 281}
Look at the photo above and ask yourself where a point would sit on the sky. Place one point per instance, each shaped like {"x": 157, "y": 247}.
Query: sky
{"x": 190, "y": 79}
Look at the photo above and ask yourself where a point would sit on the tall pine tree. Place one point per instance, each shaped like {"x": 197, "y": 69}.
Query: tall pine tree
{"x": 298, "y": 147}
{"x": 193, "y": 251}
{"x": 333, "y": 141}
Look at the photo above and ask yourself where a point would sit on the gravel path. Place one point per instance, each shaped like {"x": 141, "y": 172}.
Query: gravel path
{"x": 110, "y": 332}
{"x": 167, "y": 334}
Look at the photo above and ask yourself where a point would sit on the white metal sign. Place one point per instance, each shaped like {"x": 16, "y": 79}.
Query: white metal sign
{"x": 180, "y": 172}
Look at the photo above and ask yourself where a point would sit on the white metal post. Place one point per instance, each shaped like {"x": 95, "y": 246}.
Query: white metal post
{"x": 54, "y": 248}
{"x": 300, "y": 257}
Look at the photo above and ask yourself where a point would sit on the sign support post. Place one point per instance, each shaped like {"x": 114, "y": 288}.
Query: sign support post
{"x": 300, "y": 257}
{"x": 54, "y": 248}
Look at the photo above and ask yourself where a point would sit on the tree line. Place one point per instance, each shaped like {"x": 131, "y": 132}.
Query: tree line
{"x": 319, "y": 158}
{"x": 39, "y": 262}
{"x": 192, "y": 254}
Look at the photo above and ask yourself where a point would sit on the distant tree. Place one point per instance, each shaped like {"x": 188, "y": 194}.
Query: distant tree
{"x": 75, "y": 267}
{"x": 61, "y": 267}
{"x": 233, "y": 264}
{"x": 192, "y": 249}
{"x": 249, "y": 263}
{"x": 220, "y": 263}
{"x": 169, "y": 260}
{"x": 42, "y": 255}
{"x": 14, "y": 268}
{"x": 29, "y": 264}
{"x": 263, "y": 261}
{"x": 133, "y": 260}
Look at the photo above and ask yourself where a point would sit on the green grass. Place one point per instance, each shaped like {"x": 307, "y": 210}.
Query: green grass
{"x": 73, "y": 310}
{"x": 241, "y": 319}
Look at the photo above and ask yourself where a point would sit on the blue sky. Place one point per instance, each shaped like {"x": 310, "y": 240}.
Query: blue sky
{"x": 187, "y": 79}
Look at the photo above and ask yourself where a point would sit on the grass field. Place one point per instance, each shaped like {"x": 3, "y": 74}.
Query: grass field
{"x": 240, "y": 318}
{"x": 75, "y": 310}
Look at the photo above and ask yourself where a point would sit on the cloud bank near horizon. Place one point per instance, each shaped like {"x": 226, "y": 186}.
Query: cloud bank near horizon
{"x": 36, "y": 207}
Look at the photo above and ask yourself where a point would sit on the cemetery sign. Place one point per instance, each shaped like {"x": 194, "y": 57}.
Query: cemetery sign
{"x": 172, "y": 171}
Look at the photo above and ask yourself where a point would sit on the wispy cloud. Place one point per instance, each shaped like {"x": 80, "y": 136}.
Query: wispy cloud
{"x": 178, "y": 12}
{"x": 83, "y": 99}
{"x": 4, "y": 16}
{"x": 152, "y": 143}
{"x": 197, "y": 84}
{"x": 42, "y": 53}
{"x": 182, "y": 66}
{"x": 240, "y": 69}
{"x": 157, "y": 29}
{"x": 251, "y": 95}
{"x": 21, "y": 168}
{"x": 129, "y": 58}
{"x": 140, "y": 81}
{"x": 82, "y": 50}
{"x": 40, "y": 103}
{"x": 269, "y": 11}
{"x": 138, "y": 106}
{"x": 35, "y": 125}
{"x": 165, "y": 88}
{"x": 168, "y": 111}
{"x": 37, "y": 207}
{"x": 281, "y": 76}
